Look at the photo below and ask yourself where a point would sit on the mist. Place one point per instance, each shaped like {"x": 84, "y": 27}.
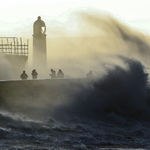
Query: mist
{"x": 89, "y": 41}
{"x": 97, "y": 41}
{"x": 101, "y": 44}
{"x": 122, "y": 92}
{"x": 6, "y": 71}
{"x": 110, "y": 110}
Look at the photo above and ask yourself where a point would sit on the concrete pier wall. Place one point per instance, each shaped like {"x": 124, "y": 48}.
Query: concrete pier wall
{"x": 33, "y": 96}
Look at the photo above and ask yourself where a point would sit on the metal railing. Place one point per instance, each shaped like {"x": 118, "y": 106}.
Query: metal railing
{"x": 13, "y": 46}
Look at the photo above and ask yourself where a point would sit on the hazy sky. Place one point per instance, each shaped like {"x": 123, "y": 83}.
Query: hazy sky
{"x": 18, "y": 14}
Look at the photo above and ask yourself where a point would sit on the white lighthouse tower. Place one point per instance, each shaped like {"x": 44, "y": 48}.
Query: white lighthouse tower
{"x": 39, "y": 46}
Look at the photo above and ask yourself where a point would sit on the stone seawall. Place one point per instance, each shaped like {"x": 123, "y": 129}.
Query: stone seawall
{"x": 28, "y": 95}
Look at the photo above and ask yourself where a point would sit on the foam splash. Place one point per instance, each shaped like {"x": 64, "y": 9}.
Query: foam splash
{"x": 122, "y": 91}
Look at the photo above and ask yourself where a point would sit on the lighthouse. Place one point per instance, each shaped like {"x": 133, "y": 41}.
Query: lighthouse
{"x": 39, "y": 46}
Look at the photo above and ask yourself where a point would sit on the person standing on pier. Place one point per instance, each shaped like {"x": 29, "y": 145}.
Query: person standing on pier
{"x": 53, "y": 75}
{"x": 60, "y": 74}
{"x": 34, "y": 74}
{"x": 24, "y": 76}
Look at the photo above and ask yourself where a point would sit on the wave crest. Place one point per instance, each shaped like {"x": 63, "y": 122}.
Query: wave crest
{"x": 122, "y": 91}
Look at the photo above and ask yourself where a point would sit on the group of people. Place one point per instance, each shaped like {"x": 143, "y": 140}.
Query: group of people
{"x": 24, "y": 76}
{"x": 34, "y": 74}
{"x": 53, "y": 74}
{"x": 60, "y": 74}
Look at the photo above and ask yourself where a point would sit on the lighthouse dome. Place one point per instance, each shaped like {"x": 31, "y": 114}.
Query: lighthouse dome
{"x": 39, "y": 27}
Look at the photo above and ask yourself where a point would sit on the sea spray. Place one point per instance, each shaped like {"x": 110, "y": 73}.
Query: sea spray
{"x": 110, "y": 111}
{"x": 122, "y": 91}
{"x": 100, "y": 38}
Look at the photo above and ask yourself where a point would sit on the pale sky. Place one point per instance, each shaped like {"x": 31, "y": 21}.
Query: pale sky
{"x": 16, "y": 15}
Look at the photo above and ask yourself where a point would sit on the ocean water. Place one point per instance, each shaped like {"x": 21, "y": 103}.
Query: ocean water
{"x": 112, "y": 113}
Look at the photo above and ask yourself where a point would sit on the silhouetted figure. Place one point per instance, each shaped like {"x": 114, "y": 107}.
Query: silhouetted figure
{"x": 34, "y": 74}
{"x": 60, "y": 74}
{"x": 24, "y": 76}
{"x": 89, "y": 75}
{"x": 53, "y": 75}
